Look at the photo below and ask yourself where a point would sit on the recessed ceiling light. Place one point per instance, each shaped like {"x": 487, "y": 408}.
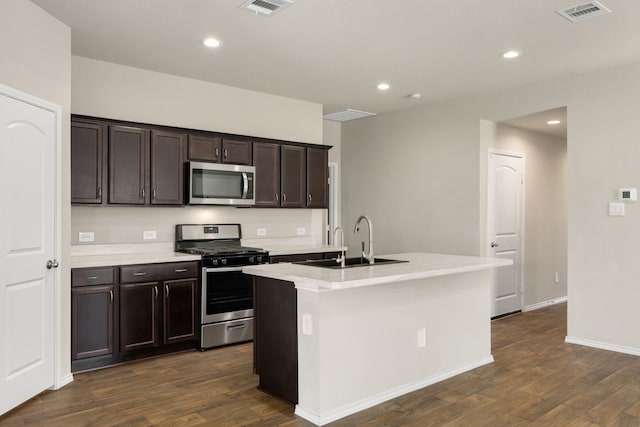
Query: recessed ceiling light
{"x": 211, "y": 42}
{"x": 553, "y": 122}
{"x": 383, "y": 86}
{"x": 510, "y": 54}
{"x": 414, "y": 95}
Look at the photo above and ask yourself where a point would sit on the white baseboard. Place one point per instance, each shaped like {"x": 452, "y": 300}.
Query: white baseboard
{"x": 62, "y": 381}
{"x": 545, "y": 303}
{"x": 352, "y": 408}
{"x": 603, "y": 345}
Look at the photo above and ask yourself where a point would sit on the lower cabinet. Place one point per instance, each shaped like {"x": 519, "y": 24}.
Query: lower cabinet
{"x": 134, "y": 311}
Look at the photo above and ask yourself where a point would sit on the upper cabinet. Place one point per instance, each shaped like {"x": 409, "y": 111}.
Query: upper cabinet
{"x": 122, "y": 163}
{"x": 88, "y": 156}
{"x": 168, "y": 151}
{"x": 317, "y": 178}
{"x": 293, "y": 184}
{"x": 237, "y": 152}
{"x": 128, "y": 148}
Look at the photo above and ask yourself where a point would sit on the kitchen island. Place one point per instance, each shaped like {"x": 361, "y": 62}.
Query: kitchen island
{"x": 352, "y": 338}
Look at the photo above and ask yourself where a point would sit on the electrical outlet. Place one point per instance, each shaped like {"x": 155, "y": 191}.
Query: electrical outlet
{"x": 301, "y": 231}
{"x": 149, "y": 235}
{"x": 556, "y": 277}
{"x": 86, "y": 236}
{"x": 261, "y": 231}
{"x": 422, "y": 337}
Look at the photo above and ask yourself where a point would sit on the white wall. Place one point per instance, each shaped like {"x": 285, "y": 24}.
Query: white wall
{"x": 545, "y": 210}
{"x": 420, "y": 175}
{"x": 114, "y": 91}
{"x": 35, "y": 57}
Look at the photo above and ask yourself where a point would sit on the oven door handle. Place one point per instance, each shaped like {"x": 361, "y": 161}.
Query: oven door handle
{"x": 223, "y": 269}
{"x": 245, "y": 185}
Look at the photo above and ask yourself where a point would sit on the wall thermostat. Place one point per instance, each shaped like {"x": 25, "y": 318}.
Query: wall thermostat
{"x": 627, "y": 195}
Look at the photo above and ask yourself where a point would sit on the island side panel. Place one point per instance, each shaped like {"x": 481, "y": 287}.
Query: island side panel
{"x": 276, "y": 339}
{"x": 363, "y": 348}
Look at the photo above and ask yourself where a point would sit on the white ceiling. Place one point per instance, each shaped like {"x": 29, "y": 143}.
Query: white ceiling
{"x": 335, "y": 52}
{"x": 538, "y": 122}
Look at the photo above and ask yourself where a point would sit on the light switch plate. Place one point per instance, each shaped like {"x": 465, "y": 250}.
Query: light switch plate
{"x": 301, "y": 231}
{"x": 261, "y": 231}
{"x": 86, "y": 236}
{"x": 616, "y": 209}
{"x": 307, "y": 324}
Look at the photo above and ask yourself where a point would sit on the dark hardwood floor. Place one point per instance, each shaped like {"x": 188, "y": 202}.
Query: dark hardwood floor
{"x": 537, "y": 379}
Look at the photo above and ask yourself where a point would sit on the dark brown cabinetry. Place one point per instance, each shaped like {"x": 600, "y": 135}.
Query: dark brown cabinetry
{"x": 276, "y": 337}
{"x": 317, "y": 178}
{"x": 293, "y": 184}
{"x": 154, "y": 298}
{"x": 266, "y": 159}
{"x": 88, "y": 169}
{"x": 134, "y": 311}
{"x": 128, "y": 148}
{"x": 92, "y": 312}
{"x": 237, "y": 152}
{"x": 205, "y": 148}
{"x": 168, "y": 153}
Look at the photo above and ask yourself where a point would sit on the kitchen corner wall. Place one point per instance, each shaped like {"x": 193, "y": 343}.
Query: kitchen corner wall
{"x": 114, "y": 91}
{"x": 545, "y": 251}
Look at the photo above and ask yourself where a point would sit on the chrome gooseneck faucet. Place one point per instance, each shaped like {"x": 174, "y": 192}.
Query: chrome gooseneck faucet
{"x": 342, "y": 257}
{"x": 369, "y": 254}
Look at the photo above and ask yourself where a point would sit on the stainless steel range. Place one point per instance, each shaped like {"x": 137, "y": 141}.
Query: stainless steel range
{"x": 226, "y": 293}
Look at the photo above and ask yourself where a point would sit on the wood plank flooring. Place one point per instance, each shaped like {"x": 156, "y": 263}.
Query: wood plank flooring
{"x": 537, "y": 379}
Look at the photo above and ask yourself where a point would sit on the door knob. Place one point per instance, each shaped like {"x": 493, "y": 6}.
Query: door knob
{"x": 494, "y": 244}
{"x": 52, "y": 263}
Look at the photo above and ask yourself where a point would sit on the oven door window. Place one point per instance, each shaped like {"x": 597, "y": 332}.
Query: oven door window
{"x": 228, "y": 291}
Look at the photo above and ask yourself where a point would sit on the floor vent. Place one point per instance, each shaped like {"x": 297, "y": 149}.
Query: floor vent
{"x": 584, "y": 11}
{"x": 265, "y": 7}
{"x": 346, "y": 115}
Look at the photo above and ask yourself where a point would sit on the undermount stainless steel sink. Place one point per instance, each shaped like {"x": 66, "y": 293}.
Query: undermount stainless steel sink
{"x": 349, "y": 262}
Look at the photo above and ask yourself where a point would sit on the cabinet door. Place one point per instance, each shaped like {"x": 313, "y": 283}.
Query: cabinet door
{"x": 266, "y": 159}
{"x": 205, "y": 148}
{"x": 180, "y": 310}
{"x": 138, "y": 316}
{"x": 293, "y": 185}
{"x": 87, "y": 158}
{"x": 91, "y": 321}
{"x": 167, "y": 168}
{"x": 127, "y": 165}
{"x": 236, "y": 152}
{"x": 317, "y": 178}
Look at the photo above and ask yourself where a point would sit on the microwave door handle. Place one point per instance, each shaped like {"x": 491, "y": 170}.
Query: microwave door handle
{"x": 245, "y": 185}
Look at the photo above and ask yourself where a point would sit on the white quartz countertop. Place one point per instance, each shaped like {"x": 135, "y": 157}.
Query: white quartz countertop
{"x": 419, "y": 266}
{"x": 104, "y": 260}
{"x": 303, "y": 249}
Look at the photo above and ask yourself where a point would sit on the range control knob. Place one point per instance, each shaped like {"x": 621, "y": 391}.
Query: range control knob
{"x": 214, "y": 262}
{"x": 252, "y": 260}
{"x": 223, "y": 261}
{"x": 259, "y": 260}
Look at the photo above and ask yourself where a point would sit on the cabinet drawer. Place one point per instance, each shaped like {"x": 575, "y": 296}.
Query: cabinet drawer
{"x": 91, "y": 276}
{"x": 155, "y": 272}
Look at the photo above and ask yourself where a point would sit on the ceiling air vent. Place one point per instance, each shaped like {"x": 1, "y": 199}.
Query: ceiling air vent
{"x": 346, "y": 115}
{"x": 584, "y": 11}
{"x": 266, "y": 7}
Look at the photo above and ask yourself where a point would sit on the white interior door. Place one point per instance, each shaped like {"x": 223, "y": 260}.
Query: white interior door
{"x": 27, "y": 232}
{"x": 505, "y": 229}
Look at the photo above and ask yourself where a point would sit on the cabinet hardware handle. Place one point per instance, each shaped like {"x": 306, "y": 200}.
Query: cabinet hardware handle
{"x": 99, "y": 191}
{"x": 140, "y": 274}
{"x": 276, "y": 196}
{"x": 284, "y": 197}
{"x": 111, "y": 295}
{"x": 181, "y": 270}
{"x": 154, "y": 194}
{"x": 166, "y": 288}
{"x": 217, "y": 152}
{"x": 310, "y": 198}
{"x": 226, "y": 153}
{"x": 155, "y": 288}
{"x": 92, "y": 277}
{"x": 143, "y": 193}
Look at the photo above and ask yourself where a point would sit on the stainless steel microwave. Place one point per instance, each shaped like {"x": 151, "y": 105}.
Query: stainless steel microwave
{"x": 221, "y": 184}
